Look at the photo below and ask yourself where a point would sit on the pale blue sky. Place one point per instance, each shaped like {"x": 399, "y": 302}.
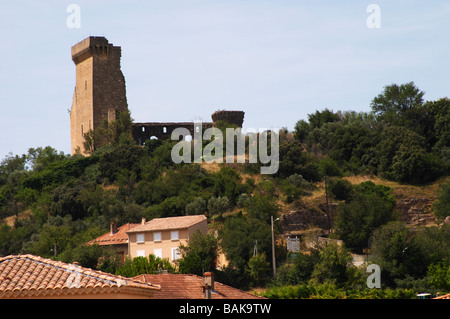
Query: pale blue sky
{"x": 182, "y": 60}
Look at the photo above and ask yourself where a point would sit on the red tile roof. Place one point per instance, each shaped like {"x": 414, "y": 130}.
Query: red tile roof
{"x": 447, "y": 296}
{"x": 178, "y": 286}
{"x": 179, "y": 222}
{"x": 117, "y": 238}
{"x": 28, "y": 276}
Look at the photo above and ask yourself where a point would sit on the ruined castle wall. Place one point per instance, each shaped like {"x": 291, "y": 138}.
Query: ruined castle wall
{"x": 232, "y": 117}
{"x": 162, "y": 131}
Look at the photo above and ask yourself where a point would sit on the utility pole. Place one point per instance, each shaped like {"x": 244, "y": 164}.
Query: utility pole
{"x": 326, "y": 199}
{"x": 273, "y": 248}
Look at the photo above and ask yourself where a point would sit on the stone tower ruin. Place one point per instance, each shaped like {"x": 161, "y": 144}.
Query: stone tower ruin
{"x": 99, "y": 90}
{"x": 100, "y": 95}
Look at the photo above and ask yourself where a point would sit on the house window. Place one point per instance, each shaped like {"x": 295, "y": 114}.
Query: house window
{"x": 175, "y": 253}
{"x": 140, "y": 238}
{"x": 164, "y": 129}
{"x": 140, "y": 253}
{"x": 158, "y": 252}
{"x": 157, "y": 236}
{"x": 174, "y": 235}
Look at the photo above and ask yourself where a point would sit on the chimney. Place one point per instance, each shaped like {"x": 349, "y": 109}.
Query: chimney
{"x": 143, "y": 221}
{"x": 208, "y": 284}
{"x": 113, "y": 228}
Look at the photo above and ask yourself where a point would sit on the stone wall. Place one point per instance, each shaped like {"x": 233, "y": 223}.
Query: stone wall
{"x": 303, "y": 218}
{"x": 149, "y": 130}
{"x": 232, "y": 117}
{"x": 160, "y": 130}
{"x": 99, "y": 87}
{"x": 416, "y": 210}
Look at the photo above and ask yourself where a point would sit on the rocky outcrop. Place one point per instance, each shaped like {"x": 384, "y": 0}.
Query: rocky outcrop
{"x": 416, "y": 211}
{"x": 303, "y": 218}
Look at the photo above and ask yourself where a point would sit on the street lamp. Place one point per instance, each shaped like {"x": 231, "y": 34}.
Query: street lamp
{"x": 273, "y": 247}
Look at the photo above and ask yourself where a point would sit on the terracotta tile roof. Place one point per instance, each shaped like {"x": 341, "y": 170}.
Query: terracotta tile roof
{"x": 178, "y": 286}
{"x": 29, "y": 276}
{"x": 179, "y": 222}
{"x": 447, "y": 296}
{"x": 117, "y": 238}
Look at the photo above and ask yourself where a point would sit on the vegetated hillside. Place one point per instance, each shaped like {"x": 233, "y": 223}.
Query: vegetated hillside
{"x": 414, "y": 203}
{"x": 384, "y": 170}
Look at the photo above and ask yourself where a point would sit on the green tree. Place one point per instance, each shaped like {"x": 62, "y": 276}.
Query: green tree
{"x": 66, "y": 201}
{"x": 258, "y": 268}
{"x": 391, "y": 249}
{"x": 299, "y": 270}
{"x": 86, "y": 255}
{"x": 263, "y": 206}
{"x": 227, "y": 184}
{"x": 402, "y": 157}
{"x": 238, "y": 237}
{"x": 328, "y": 167}
{"x": 439, "y": 275}
{"x": 350, "y": 142}
{"x": 301, "y": 130}
{"x": 196, "y": 207}
{"x": 413, "y": 165}
{"x": 218, "y": 205}
{"x": 368, "y": 209}
{"x": 315, "y": 120}
{"x": 432, "y": 245}
{"x": 199, "y": 254}
{"x": 294, "y": 160}
{"x": 5, "y": 239}
{"x": 397, "y": 102}
{"x": 51, "y": 240}
{"x": 10, "y": 164}
{"x": 40, "y": 158}
{"x": 115, "y": 133}
{"x": 333, "y": 265}
{"x": 342, "y": 189}
{"x": 243, "y": 201}
{"x": 144, "y": 265}
{"x": 124, "y": 157}
{"x": 442, "y": 206}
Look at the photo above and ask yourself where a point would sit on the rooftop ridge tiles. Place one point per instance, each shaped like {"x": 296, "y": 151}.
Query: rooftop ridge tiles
{"x": 57, "y": 265}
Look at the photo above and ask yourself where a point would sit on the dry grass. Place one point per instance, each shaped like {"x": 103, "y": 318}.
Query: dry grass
{"x": 211, "y": 167}
{"x": 317, "y": 197}
{"x": 403, "y": 190}
{"x": 23, "y": 215}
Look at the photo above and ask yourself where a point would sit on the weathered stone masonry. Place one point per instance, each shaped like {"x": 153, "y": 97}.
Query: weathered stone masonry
{"x": 99, "y": 90}
{"x": 145, "y": 131}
